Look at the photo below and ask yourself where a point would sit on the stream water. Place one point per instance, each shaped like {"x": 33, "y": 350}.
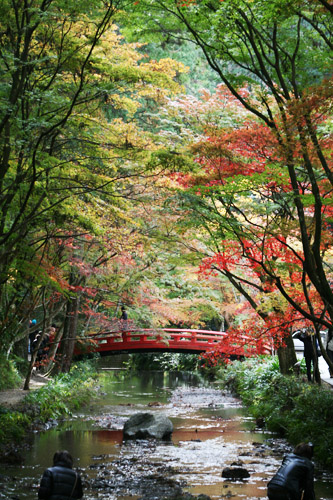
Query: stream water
{"x": 211, "y": 432}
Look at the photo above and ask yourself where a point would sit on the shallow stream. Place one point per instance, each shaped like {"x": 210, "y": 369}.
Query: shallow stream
{"x": 211, "y": 432}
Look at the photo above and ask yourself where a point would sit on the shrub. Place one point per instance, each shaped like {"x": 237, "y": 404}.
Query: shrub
{"x": 9, "y": 376}
{"x": 288, "y": 405}
{"x": 66, "y": 392}
{"x": 60, "y": 396}
{"x": 12, "y": 425}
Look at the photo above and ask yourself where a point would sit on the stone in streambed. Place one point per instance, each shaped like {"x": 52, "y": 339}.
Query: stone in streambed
{"x": 235, "y": 473}
{"x": 148, "y": 425}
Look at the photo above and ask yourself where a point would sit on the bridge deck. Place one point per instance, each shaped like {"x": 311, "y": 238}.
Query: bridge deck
{"x": 148, "y": 340}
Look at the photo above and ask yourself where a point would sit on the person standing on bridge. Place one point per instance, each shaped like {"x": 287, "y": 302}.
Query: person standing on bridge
{"x": 123, "y": 319}
{"x": 294, "y": 479}
{"x": 123, "y": 313}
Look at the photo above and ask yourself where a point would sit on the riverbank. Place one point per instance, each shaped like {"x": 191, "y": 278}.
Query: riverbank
{"x": 12, "y": 397}
{"x": 290, "y": 406}
{"x": 22, "y": 412}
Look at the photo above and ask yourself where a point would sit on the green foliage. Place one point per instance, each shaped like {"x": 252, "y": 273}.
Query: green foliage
{"x": 9, "y": 375}
{"x": 72, "y": 92}
{"x": 21, "y": 365}
{"x": 65, "y": 393}
{"x": 297, "y": 410}
{"x": 13, "y": 425}
{"x": 62, "y": 395}
{"x": 163, "y": 361}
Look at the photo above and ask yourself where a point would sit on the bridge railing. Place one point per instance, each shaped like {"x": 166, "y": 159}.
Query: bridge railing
{"x": 165, "y": 336}
{"x": 168, "y": 338}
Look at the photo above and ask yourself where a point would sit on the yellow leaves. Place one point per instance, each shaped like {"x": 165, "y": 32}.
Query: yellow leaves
{"x": 272, "y": 302}
{"x": 127, "y": 136}
{"x": 114, "y": 51}
{"x": 124, "y": 102}
{"x": 167, "y": 66}
{"x": 177, "y": 311}
{"x": 162, "y": 73}
{"x": 120, "y": 62}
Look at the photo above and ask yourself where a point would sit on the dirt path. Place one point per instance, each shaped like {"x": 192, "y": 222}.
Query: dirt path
{"x": 12, "y": 397}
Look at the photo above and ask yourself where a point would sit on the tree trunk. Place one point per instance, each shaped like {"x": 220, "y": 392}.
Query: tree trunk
{"x": 316, "y": 372}
{"x": 53, "y": 350}
{"x": 287, "y": 356}
{"x": 70, "y": 344}
{"x": 69, "y": 335}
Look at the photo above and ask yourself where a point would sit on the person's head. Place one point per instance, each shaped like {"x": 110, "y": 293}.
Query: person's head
{"x": 309, "y": 331}
{"x": 304, "y": 450}
{"x": 52, "y": 329}
{"x": 63, "y": 457}
{"x": 33, "y": 322}
{"x": 123, "y": 308}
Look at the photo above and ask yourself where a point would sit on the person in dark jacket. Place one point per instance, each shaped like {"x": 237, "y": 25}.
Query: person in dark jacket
{"x": 294, "y": 479}
{"x": 60, "y": 482}
{"x": 123, "y": 313}
{"x": 307, "y": 337}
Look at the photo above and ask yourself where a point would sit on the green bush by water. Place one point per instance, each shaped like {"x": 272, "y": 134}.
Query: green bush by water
{"x": 65, "y": 393}
{"x": 9, "y": 374}
{"x": 13, "y": 425}
{"x": 299, "y": 411}
{"x": 62, "y": 395}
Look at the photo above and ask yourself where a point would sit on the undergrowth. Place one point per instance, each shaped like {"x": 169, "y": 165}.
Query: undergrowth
{"x": 288, "y": 405}
{"x": 61, "y": 396}
{"x": 9, "y": 374}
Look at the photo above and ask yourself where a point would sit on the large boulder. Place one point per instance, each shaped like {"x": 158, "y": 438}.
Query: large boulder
{"x": 148, "y": 425}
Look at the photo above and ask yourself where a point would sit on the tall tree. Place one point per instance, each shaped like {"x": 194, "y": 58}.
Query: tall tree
{"x": 70, "y": 145}
{"x": 280, "y": 51}
{"x": 241, "y": 198}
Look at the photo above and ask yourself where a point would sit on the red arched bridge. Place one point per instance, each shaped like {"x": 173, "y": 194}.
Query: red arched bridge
{"x": 168, "y": 340}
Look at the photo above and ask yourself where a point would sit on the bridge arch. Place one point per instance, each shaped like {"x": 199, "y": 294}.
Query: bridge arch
{"x": 162, "y": 340}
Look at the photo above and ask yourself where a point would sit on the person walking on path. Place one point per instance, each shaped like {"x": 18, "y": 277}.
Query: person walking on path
{"x": 32, "y": 334}
{"x": 60, "y": 482}
{"x": 294, "y": 479}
